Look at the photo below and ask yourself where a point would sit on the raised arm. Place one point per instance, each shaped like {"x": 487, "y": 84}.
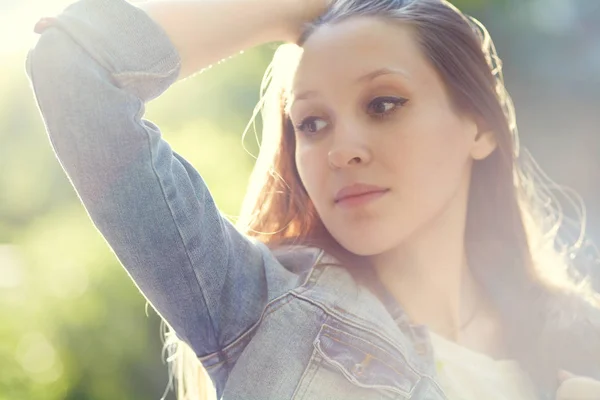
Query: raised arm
{"x": 221, "y": 28}
{"x": 92, "y": 70}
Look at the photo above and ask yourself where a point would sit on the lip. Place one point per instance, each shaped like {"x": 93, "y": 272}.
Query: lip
{"x": 359, "y": 193}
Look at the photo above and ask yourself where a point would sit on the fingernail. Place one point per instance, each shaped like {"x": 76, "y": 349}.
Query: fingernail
{"x": 43, "y": 24}
{"x": 564, "y": 375}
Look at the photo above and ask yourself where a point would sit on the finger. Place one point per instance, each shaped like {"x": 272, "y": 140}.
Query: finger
{"x": 43, "y": 24}
{"x": 563, "y": 375}
{"x": 579, "y": 388}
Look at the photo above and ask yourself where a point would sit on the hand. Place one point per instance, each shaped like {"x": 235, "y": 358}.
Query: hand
{"x": 574, "y": 387}
{"x": 311, "y": 9}
{"x": 306, "y": 11}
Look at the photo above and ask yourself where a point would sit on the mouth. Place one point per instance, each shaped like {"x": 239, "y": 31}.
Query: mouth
{"x": 359, "y": 194}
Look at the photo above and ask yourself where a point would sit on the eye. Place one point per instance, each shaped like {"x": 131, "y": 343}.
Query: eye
{"x": 383, "y": 106}
{"x": 311, "y": 125}
{"x": 379, "y": 107}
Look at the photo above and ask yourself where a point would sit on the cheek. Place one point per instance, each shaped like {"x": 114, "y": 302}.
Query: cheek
{"x": 310, "y": 167}
{"x": 429, "y": 157}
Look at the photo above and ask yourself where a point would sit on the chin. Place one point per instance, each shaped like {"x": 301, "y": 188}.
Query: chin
{"x": 365, "y": 244}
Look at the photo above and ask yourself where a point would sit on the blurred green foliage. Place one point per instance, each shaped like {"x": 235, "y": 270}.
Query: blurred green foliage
{"x": 74, "y": 325}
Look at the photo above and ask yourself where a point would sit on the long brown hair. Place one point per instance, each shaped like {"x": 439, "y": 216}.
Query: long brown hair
{"x": 513, "y": 215}
{"x": 550, "y": 315}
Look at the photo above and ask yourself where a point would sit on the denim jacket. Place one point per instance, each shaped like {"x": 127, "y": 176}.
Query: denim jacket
{"x": 287, "y": 326}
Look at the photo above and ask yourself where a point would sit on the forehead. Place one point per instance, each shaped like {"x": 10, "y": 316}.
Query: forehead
{"x": 357, "y": 46}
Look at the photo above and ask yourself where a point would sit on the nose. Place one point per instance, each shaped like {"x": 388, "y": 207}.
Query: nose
{"x": 347, "y": 151}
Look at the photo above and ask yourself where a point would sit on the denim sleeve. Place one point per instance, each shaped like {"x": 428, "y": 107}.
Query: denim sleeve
{"x": 92, "y": 71}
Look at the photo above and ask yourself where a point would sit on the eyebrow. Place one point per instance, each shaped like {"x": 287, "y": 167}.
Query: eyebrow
{"x": 363, "y": 78}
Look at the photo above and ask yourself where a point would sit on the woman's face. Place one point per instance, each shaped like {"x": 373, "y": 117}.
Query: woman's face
{"x": 372, "y": 115}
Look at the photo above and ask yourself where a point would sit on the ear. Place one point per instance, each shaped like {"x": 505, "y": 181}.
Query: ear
{"x": 484, "y": 145}
{"x": 484, "y": 142}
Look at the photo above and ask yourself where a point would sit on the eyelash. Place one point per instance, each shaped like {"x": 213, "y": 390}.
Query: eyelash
{"x": 397, "y": 101}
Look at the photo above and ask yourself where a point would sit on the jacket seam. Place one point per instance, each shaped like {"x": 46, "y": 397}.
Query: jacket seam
{"x": 187, "y": 253}
{"x": 223, "y": 353}
{"x": 267, "y": 310}
{"x": 341, "y": 318}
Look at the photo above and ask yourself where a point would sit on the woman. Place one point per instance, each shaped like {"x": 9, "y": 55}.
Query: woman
{"x": 391, "y": 243}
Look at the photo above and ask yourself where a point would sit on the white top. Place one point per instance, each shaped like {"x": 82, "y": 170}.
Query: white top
{"x": 465, "y": 374}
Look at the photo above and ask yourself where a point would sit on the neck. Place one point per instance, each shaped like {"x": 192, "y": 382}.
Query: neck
{"x": 429, "y": 275}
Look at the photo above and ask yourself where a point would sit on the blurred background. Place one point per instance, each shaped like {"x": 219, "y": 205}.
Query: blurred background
{"x": 72, "y": 323}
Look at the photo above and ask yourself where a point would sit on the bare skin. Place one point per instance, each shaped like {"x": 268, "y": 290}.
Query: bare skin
{"x": 433, "y": 284}
{"x": 421, "y": 151}
{"x": 194, "y": 25}
{"x": 424, "y": 158}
